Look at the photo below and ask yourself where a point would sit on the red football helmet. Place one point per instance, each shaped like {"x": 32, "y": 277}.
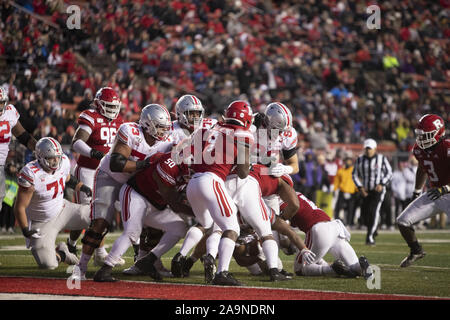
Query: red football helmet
{"x": 241, "y": 112}
{"x": 429, "y": 131}
{"x": 107, "y": 102}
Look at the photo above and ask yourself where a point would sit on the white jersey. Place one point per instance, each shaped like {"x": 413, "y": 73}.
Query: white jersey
{"x": 131, "y": 134}
{"x": 8, "y": 120}
{"x": 265, "y": 147}
{"x": 179, "y": 134}
{"x": 48, "y": 196}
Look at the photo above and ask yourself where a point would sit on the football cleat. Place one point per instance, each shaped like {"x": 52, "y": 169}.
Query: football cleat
{"x": 342, "y": 270}
{"x": 188, "y": 263}
{"x": 72, "y": 249}
{"x": 225, "y": 278}
{"x": 162, "y": 270}
{"x": 209, "y": 264}
{"x": 177, "y": 265}
{"x": 70, "y": 259}
{"x": 99, "y": 259}
{"x": 289, "y": 275}
{"x": 104, "y": 274}
{"x": 365, "y": 267}
{"x": 77, "y": 275}
{"x": 133, "y": 271}
{"x": 147, "y": 265}
{"x": 411, "y": 258}
{"x": 276, "y": 275}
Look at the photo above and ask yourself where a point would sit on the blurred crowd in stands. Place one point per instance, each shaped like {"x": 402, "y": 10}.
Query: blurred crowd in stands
{"x": 342, "y": 81}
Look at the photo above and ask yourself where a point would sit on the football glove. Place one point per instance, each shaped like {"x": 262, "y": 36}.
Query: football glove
{"x": 33, "y": 233}
{"x": 95, "y": 154}
{"x": 308, "y": 256}
{"x": 436, "y": 193}
{"x": 279, "y": 169}
{"x": 84, "y": 188}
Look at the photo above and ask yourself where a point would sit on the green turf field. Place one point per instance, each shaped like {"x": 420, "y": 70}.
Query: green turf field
{"x": 429, "y": 277}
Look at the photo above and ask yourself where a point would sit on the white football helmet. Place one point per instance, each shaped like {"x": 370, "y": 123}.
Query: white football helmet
{"x": 3, "y": 100}
{"x": 184, "y": 106}
{"x": 277, "y": 116}
{"x": 49, "y": 153}
{"x": 155, "y": 120}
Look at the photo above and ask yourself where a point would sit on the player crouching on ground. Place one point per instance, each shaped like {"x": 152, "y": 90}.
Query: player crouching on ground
{"x": 41, "y": 210}
{"x": 323, "y": 236}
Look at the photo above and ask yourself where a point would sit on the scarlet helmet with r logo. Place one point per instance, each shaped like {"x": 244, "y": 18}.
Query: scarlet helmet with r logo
{"x": 239, "y": 111}
{"x": 107, "y": 102}
{"x": 429, "y": 131}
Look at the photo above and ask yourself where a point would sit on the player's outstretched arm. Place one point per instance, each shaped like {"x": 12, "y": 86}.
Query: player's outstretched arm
{"x": 289, "y": 196}
{"x": 23, "y": 136}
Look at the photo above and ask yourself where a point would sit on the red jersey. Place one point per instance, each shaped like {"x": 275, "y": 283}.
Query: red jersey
{"x": 435, "y": 162}
{"x": 267, "y": 183}
{"x": 102, "y": 133}
{"x": 307, "y": 215}
{"x": 215, "y": 149}
{"x": 170, "y": 173}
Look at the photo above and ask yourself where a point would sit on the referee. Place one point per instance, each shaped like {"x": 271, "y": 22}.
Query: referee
{"x": 371, "y": 173}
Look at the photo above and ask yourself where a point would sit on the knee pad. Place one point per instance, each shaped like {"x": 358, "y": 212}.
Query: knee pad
{"x": 93, "y": 239}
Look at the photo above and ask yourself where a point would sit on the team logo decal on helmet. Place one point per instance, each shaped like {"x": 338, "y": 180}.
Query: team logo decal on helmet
{"x": 429, "y": 130}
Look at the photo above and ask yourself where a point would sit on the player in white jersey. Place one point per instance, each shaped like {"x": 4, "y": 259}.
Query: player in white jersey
{"x": 190, "y": 116}
{"x": 41, "y": 210}
{"x": 10, "y": 125}
{"x": 131, "y": 152}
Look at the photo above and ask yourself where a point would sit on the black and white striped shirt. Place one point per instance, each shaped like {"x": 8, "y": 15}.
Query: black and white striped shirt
{"x": 369, "y": 172}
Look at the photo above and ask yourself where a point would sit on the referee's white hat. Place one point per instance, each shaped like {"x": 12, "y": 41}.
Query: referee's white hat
{"x": 370, "y": 143}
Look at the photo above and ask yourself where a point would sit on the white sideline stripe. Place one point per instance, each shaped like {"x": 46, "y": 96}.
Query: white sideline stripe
{"x": 258, "y": 288}
{"x": 415, "y": 266}
{"x": 37, "y": 296}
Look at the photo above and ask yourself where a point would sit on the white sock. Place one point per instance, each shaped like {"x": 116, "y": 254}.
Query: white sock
{"x": 101, "y": 250}
{"x": 212, "y": 243}
{"x": 317, "y": 270}
{"x": 84, "y": 260}
{"x": 119, "y": 247}
{"x": 270, "y": 250}
{"x": 193, "y": 236}
{"x": 226, "y": 249}
{"x": 255, "y": 269}
{"x": 167, "y": 242}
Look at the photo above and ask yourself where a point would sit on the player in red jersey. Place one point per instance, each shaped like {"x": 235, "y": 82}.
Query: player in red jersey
{"x": 97, "y": 128}
{"x": 323, "y": 236}
{"x": 432, "y": 151}
{"x": 216, "y": 152}
{"x": 150, "y": 198}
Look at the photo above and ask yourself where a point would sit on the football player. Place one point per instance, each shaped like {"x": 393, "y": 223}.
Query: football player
{"x": 40, "y": 208}
{"x": 133, "y": 147}
{"x": 10, "y": 125}
{"x": 432, "y": 151}
{"x": 323, "y": 236}
{"x": 94, "y": 137}
{"x": 222, "y": 147}
{"x": 190, "y": 116}
{"x": 148, "y": 199}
